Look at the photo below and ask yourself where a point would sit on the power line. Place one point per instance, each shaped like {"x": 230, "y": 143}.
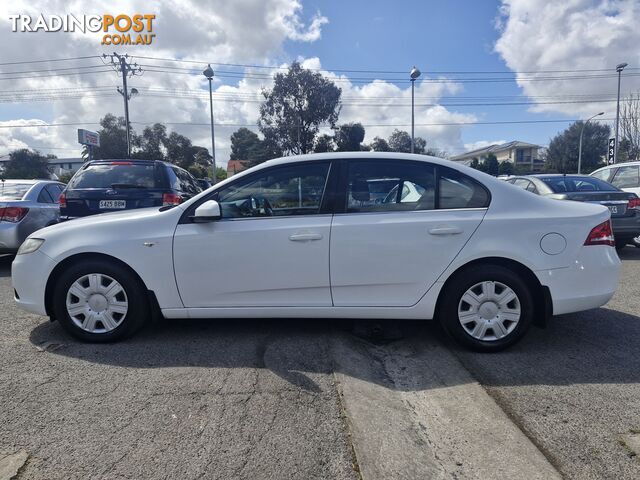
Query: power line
{"x": 207, "y": 124}
{"x": 49, "y": 60}
{"x": 402, "y": 72}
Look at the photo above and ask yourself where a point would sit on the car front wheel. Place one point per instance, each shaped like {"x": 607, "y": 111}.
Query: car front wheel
{"x": 97, "y": 301}
{"x": 487, "y": 308}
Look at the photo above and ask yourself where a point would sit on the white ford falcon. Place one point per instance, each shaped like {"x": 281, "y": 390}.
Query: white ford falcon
{"x": 346, "y": 235}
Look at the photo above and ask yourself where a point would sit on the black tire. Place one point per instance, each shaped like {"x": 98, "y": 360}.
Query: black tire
{"x": 466, "y": 279}
{"x": 138, "y": 302}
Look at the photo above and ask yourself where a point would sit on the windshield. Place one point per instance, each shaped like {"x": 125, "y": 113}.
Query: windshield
{"x": 14, "y": 191}
{"x": 115, "y": 175}
{"x": 577, "y": 184}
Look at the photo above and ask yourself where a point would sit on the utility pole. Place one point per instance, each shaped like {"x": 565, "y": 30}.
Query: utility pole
{"x": 619, "y": 69}
{"x": 119, "y": 64}
{"x": 209, "y": 73}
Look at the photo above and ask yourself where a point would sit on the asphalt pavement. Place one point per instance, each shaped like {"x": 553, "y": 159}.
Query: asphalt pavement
{"x": 309, "y": 399}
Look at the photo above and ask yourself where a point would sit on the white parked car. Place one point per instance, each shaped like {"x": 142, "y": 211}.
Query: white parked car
{"x": 625, "y": 176}
{"x": 304, "y": 237}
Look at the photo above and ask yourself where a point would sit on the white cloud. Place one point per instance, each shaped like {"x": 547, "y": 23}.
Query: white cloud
{"x": 247, "y": 31}
{"x": 570, "y": 35}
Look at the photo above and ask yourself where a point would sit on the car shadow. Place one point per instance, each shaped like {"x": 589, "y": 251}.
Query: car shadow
{"x": 5, "y": 265}
{"x": 598, "y": 346}
{"x": 629, "y": 252}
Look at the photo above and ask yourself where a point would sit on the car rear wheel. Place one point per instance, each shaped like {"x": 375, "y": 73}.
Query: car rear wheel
{"x": 487, "y": 308}
{"x": 100, "y": 302}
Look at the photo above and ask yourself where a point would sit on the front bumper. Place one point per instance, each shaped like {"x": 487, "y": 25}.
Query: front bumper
{"x": 29, "y": 275}
{"x": 589, "y": 282}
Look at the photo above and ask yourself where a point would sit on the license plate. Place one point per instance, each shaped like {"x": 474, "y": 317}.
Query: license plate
{"x": 112, "y": 204}
{"x": 617, "y": 209}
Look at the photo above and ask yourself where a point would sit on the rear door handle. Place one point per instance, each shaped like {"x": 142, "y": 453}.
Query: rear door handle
{"x": 445, "y": 230}
{"x": 305, "y": 237}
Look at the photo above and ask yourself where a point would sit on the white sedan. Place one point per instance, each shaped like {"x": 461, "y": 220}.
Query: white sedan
{"x": 305, "y": 237}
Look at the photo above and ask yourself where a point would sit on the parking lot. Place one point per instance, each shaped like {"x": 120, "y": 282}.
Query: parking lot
{"x": 305, "y": 399}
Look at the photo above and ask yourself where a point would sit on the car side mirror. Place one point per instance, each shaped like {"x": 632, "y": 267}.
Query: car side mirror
{"x": 209, "y": 211}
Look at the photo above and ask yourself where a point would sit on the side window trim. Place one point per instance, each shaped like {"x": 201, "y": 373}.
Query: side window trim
{"x": 343, "y": 185}
{"x": 214, "y": 195}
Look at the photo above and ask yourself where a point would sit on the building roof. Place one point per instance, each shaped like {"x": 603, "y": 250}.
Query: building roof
{"x": 496, "y": 147}
{"x": 235, "y": 166}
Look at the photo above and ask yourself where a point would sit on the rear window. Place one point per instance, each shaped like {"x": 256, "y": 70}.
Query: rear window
{"x": 105, "y": 175}
{"x": 577, "y": 184}
{"x": 13, "y": 191}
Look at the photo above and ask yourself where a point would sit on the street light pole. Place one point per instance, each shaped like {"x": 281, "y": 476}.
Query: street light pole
{"x": 415, "y": 73}
{"x": 581, "y": 133}
{"x": 208, "y": 72}
{"x": 619, "y": 69}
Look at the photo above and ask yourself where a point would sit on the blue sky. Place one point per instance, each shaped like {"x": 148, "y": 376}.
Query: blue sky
{"x": 436, "y": 36}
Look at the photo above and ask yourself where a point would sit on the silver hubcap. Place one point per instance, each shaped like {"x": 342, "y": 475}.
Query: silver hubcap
{"x": 97, "y": 303}
{"x": 489, "y": 311}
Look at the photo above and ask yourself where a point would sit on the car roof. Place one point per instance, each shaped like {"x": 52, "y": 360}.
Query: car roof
{"x": 132, "y": 160}
{"x": 23, "y": 182}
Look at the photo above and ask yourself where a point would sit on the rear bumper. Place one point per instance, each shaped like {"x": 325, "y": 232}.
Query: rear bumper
{"x": 588, "y": 283}
{"x": 11, "y": 236}
{"x": 29, "y": 275}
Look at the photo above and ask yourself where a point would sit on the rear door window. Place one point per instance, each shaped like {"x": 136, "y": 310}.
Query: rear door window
{"x": 45, "y": 196}
{"x": 626, "y": 177}
{"x": 604, "y": 174}
{"x": 13, "y": 191}
{"x": 456, "y": 190}
{"x": 391, "y": 185}
{"x": 110, "y": 175}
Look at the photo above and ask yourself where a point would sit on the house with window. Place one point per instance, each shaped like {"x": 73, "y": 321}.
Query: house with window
{"x": 522, "y": 154}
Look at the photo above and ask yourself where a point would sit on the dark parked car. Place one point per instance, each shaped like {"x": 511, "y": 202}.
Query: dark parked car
{"x": 624, "y": 206}
{"x": 26, "y": 206}
{"x": 108, "y": 185}
{"x": 204, "y": 183}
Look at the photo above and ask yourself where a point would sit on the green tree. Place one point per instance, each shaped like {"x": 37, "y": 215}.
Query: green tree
{"x": 27, "y": 164}
{"x": 505, "y": 168}
{"x": 180, "y": 150}
{"x": 150, "y": 144}
{"x": 349, "y": 137}
{"x": 113, "y": 139}
{"x": 380, "y": 145}
{"x": 221, "y": 174}
{"x": 475, "y": 163}
{"x": 295, "y": 108}
{"x": 400, "y": 141}
{"x": 246, "y": 145}
{"x": 562, "y": 154}
{"x": 491, "y": 165}
{"x": 324, "y": 143}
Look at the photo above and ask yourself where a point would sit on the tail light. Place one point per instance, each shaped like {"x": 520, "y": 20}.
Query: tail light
{"x": 12, "y": 214}
{"x": 634, "y": 203}
{"x": 601, "y": 235}
{"x": 62, "y": 200}
{"x": 171, "y": 199}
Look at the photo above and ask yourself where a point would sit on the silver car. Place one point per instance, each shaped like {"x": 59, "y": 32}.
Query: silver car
{"x": 26, "y": 206}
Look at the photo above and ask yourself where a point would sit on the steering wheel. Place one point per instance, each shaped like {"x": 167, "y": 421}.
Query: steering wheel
{"x": 266, "y": 205}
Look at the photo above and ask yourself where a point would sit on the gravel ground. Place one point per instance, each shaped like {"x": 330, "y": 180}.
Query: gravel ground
{"x": 259, "y": 399}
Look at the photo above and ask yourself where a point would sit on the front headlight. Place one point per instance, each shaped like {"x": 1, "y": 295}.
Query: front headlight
{"x": 30, "y": 245}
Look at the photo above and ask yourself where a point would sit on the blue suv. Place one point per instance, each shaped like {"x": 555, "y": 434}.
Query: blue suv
{"x": 111, "y": 185}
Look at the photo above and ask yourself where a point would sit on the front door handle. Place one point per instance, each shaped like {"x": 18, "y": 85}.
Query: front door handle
{"x": 305, "y": 237}
{"x": 445, "y": 230}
